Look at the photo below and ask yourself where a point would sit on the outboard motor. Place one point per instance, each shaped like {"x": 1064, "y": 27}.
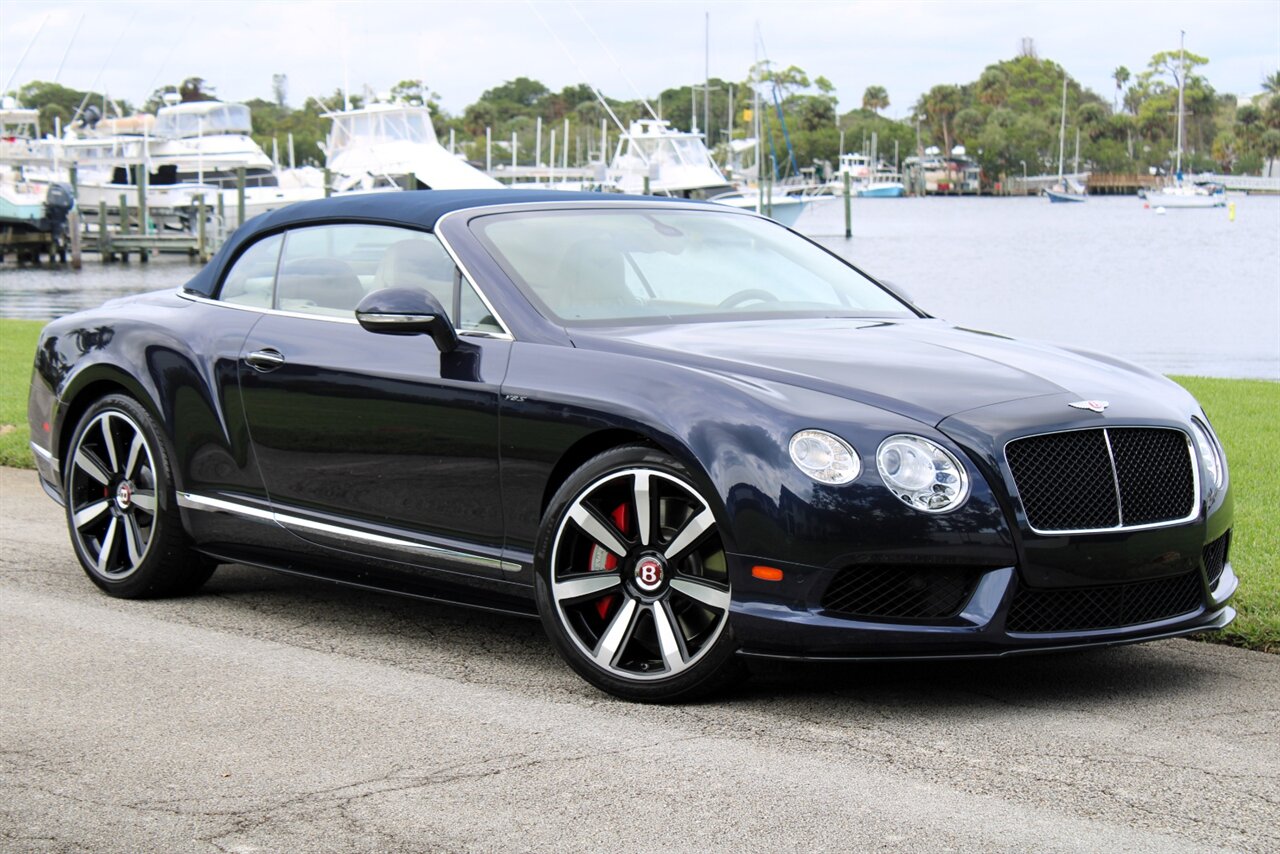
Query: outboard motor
{"x": 59, "y": 202}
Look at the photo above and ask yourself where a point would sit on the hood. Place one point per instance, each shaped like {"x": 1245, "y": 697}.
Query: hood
{"x": 921, "y": 368}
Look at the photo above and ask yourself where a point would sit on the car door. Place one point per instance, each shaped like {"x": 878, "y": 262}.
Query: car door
{"x": 370, "y": 444}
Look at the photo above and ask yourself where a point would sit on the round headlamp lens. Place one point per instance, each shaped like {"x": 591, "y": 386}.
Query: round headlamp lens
{"x": 824, "y": 456}
{"x": 922, "y": 473}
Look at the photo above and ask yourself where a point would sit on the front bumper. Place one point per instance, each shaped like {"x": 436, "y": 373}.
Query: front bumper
{"x": 766, "y": 627}
{"x": 48, "y": 469}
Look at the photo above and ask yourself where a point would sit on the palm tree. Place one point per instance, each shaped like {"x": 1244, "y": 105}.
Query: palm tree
{"x": 1121, "y": 76}
{"x": 1271, "y": 83}
{"x": 876, "y": 98}
{"x": 940, "y": 104}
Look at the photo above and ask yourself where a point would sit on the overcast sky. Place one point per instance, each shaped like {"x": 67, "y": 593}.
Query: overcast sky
{"x": 463, "y": 48}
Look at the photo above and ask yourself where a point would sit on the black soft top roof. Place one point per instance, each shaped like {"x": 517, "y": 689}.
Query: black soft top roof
{"x": 417, "y": 209}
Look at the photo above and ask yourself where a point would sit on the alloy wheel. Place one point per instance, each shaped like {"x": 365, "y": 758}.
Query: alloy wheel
{"x": 638, "y": 574}
{"x": 112, "y": 494}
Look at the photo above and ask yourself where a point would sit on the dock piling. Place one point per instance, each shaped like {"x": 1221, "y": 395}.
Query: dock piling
{"x": 848, "y": 206}
{"x": 143, "y": 254}
{"x": 104, "y": 243}
{"x": 73, "y": 223}
{"x": 240, "y": 181}
{"x": 124, "y": 223}
{"x": 201, "y": 245}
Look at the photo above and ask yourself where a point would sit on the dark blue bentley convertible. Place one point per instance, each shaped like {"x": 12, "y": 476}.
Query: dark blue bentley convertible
{"x": 681, "y": 434}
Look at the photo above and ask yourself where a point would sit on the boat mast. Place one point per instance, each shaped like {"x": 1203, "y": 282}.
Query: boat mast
{"x": 1062, "y": 129}
{"x": 706, "y": 88}
{"x": 1182, "y": 81}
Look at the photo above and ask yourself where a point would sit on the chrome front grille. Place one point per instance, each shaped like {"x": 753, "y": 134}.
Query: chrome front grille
{"x": 1105, "y": 478}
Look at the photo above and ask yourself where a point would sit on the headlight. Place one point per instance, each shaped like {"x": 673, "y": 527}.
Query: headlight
{"x": 1211, "y": 456}
{"x": 824, "y": 456}
{"x": 923, "y": 474}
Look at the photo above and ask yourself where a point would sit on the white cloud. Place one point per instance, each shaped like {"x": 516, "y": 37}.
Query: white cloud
{"x": 461, "y": 49}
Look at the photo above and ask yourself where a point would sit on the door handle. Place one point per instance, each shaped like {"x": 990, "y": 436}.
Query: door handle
{"x": 265, "y": 360}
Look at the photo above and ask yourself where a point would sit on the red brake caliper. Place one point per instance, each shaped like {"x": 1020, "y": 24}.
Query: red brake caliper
{"x": 602, "y": 560}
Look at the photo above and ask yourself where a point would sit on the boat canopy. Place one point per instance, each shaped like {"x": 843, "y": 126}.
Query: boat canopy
{"x": 16, "y": 122}
{"x": 202, "y": 118}
{"x": 372, "y": 126}
{"x": 655, "y": 143}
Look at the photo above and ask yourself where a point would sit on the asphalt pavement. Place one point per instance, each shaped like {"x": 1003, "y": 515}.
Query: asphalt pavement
{"x": 272, "y": 714}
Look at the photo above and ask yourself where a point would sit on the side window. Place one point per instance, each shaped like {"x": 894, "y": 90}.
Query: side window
{"x": 473, "y": 314}
{"x": 328, "y": 269}
{"x": 253, "y": 275}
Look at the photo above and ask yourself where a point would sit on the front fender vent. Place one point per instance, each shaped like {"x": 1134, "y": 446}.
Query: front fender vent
{"x": 1215, "y": 558}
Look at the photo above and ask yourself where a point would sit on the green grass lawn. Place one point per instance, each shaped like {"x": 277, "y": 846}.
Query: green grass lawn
{"x": 1243, "y": 413}
{"x": 17, "y": 351}
{"x": 1244, "y": 416}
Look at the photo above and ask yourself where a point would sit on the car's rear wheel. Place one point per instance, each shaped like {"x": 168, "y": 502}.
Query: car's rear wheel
{"x": 121, "y": 507}
{"x": 633, "y": 584}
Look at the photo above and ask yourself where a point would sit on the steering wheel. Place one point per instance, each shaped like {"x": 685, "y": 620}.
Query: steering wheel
{"x": 744, "y": 296}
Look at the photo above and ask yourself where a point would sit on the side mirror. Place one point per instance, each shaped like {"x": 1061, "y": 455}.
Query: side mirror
{"x": 407, "y": 311}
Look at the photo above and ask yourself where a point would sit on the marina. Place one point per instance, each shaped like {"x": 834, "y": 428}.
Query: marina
{"x": 938, "y": 512}
{"x": 1185, "y": 293}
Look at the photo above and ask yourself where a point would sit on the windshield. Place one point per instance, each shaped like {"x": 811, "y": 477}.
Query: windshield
{"x": 366, "y": 128}
{"x": 660, "y": 265}
{"x": 210, "y": 121}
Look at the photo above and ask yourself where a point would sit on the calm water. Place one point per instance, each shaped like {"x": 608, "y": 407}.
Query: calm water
{"x": 1187, "y": 292}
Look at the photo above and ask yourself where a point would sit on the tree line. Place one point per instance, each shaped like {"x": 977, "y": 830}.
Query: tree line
{"x": 1007, "y": 119}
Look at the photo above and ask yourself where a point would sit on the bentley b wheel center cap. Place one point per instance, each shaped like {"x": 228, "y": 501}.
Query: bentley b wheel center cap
{"x": 124, "y": 495}
{"x": 649, "y": 574}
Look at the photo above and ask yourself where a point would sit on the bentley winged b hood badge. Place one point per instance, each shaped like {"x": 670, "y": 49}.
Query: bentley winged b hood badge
{"x": 1091, "y": 405}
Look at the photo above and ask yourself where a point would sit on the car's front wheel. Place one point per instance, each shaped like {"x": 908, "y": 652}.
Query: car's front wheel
{"x": 633, "y": 583}
{"x": 121, "y": 507}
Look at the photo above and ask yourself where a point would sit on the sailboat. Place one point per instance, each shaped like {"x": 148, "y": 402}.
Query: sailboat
{"x": 1065, "y": 189}
{"x": 1179, "y": 194}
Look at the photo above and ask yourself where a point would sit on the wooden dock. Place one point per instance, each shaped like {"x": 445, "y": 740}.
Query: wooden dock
{"x": 1122, "y": 184}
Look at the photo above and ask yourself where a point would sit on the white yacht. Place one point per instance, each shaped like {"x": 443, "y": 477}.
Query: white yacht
{"x": 866, "y": 180}
{"x": 393, "y": 146}
{"x": 189, "y": 150}
{"x": 677, "y": 163}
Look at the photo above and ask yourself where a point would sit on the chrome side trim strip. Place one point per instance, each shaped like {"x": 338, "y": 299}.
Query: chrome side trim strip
{"x": 302, "y": 315}
{"x": 45, "y": 455}
{"x": 260, "y": 310}
{"x": 219, "y": 505}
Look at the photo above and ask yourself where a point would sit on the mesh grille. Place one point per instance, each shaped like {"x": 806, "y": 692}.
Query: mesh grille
{"x": 1068, "y": 481}
{"x": 1110, "y": 607}
{"x": 1154, "y": 471}
{"x": 1065, "y": 480}
{"x": 1215, "y": 558}
{"x": 900, "y": 592}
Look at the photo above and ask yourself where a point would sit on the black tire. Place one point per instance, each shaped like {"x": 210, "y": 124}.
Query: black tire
{"x": 122, "y": 511}
{"x": 645, "y": 616}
